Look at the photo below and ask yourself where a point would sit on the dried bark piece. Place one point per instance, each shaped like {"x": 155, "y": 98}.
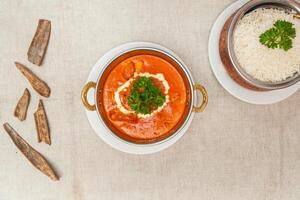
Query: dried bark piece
{"x": 41, "y": 123}
{"x": 37, "y": 160}
{"x": 22, "y": 106}
{"x": 39, "y": 43}
{"x": 40, "y": 86}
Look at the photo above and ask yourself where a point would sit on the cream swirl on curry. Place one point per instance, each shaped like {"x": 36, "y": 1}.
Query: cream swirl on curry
{"x": 126, "y": 86}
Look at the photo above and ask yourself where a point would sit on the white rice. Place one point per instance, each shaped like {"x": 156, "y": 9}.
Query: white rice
{"x": 259, "y": 61}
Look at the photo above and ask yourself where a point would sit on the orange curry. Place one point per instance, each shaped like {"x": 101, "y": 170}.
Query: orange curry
{"x": 153, "y": 125}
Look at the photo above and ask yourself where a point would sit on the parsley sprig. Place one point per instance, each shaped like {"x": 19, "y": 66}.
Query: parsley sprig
{"x": 279, "y": 36}
{"x": 145, "y": 96}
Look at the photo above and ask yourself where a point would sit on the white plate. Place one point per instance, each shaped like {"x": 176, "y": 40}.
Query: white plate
{"x": 96, "y": 122}
{"x": 225, "y": 80}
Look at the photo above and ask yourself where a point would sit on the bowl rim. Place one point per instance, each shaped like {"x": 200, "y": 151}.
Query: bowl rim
{"x": 187, "y": 73}
{"x": 287, "y": 4}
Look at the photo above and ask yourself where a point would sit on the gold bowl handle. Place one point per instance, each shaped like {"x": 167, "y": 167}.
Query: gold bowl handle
{"x": 203, "y": 91}
{"x": 84, "y": 93}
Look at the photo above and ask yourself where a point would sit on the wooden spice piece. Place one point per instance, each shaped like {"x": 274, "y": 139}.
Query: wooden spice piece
{"x": 22, "y": 106}
{"x": 30, "y": 153}
{"x": 40, "y": 86}
{"x": 39, "y": 43}
{"x": 41, "y": 123}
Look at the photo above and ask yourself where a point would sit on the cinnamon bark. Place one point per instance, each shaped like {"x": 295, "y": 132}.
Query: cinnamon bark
{"x": 22, "y": 106}
{"x": 39, "y": 43}
{"x": 34, "y": 157}
{"x": 39, "y": 85}
{"x": 41, "y": 123}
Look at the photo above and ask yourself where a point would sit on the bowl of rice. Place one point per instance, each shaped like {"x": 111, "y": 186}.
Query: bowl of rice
{"x": 260, "y": 44}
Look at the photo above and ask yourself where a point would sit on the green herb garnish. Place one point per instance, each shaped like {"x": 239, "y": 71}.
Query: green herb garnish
{"x": 145, "y": 96}
{"x": 279, "y": 36}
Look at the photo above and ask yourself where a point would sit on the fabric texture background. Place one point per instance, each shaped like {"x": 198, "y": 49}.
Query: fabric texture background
{"x": 233, "y": 150}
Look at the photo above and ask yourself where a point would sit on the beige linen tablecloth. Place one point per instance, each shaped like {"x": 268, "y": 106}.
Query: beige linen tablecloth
{"x": 233, "y": 150}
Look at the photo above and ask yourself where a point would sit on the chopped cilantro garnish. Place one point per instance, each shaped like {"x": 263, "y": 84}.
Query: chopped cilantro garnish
{"x": 145, "y": 96}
